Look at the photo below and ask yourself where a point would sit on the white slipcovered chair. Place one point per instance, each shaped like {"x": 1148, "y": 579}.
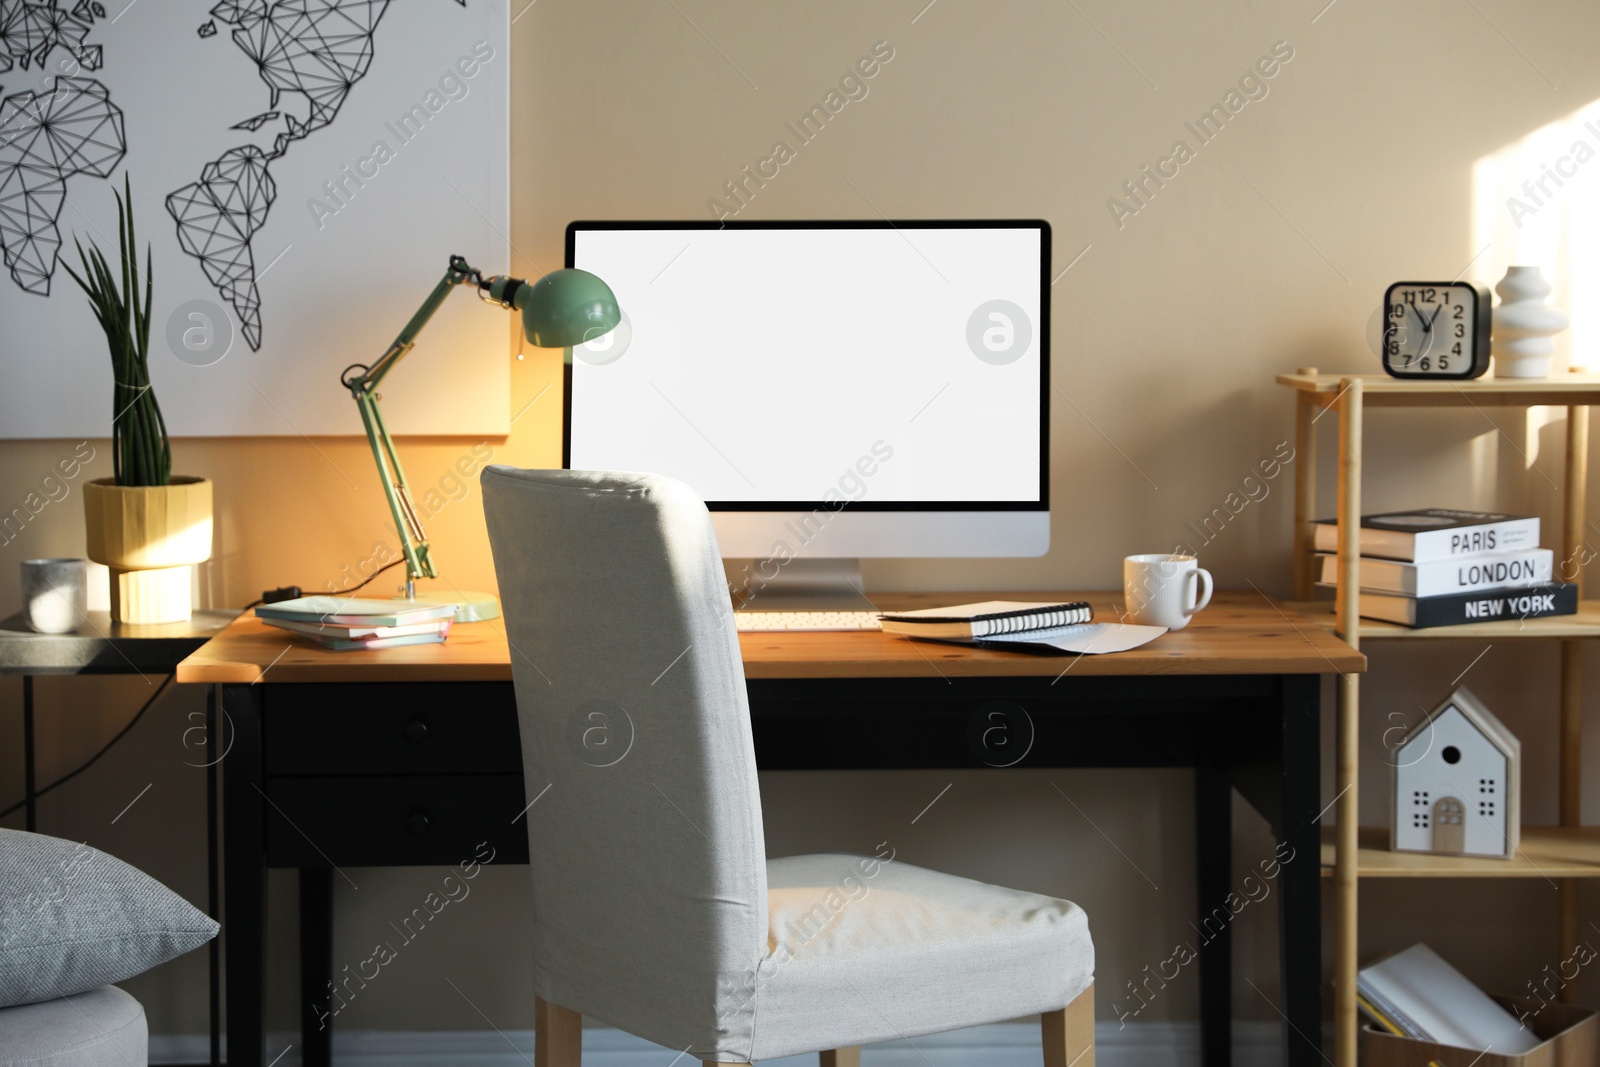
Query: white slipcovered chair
{"x": 655, "y": 908}
{"x": 102, "y": 1027}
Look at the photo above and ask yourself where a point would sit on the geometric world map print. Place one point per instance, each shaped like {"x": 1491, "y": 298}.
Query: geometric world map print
{"x": 317, "y": 49}
{"x": 302, "y": 170}
{"x": 68, "y": 126}
{"x": 217, "y": 216}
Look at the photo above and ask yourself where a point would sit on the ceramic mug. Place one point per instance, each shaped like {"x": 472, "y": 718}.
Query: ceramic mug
{"x": 1162, "y": 589}
{"x": 54, "y": 594}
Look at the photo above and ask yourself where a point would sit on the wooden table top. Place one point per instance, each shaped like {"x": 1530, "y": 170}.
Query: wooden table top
{"x": 1240, "y": 633}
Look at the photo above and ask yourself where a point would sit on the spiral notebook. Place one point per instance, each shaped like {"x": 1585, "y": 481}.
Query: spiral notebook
{"x": 1021, "y": 627}
{"x": 991, "y": 618}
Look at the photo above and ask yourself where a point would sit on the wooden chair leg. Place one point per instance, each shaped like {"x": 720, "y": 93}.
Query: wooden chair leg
{"x": 849, "y": 1056}
{"x": 557, "y": 1035}
{"x": 718, "y": 1063}
{"x": 1069, "y": 1033}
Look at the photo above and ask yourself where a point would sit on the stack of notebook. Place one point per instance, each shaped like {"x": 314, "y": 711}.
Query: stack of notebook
{"x": 345, "y": 623}
{"x": 1417, "y": 994}
{"x": 1441, "y": 567}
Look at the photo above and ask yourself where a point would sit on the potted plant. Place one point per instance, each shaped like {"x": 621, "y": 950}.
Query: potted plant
{"x": 149, "y": 527}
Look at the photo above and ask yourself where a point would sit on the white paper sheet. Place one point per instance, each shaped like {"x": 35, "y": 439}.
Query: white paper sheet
{"x": 1094, "y": 638}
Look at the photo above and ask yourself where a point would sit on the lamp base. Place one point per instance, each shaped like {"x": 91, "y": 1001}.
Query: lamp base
{"x": 470, "y": 607}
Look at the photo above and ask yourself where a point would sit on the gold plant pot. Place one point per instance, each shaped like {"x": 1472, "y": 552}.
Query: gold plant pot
{"x": 150, "y": 536}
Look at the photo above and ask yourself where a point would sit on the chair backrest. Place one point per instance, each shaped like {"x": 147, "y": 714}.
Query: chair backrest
{"x": 649, "y": 868}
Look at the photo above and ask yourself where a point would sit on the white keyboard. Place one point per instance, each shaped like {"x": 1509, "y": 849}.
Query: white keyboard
{"x": 756, "y": 622}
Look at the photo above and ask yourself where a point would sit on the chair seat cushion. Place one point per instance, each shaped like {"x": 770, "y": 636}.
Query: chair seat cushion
{"x": 862, "y": 950}
{"x": 104, "y": 1027}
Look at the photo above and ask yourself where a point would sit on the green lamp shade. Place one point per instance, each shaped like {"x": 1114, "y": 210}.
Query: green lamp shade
{"x": 566, "y": 308}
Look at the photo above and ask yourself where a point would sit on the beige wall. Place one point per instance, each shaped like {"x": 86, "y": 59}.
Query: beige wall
{"x": 1270, "y": 249}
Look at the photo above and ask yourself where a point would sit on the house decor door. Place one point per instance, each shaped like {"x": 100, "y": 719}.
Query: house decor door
{"x": 1449, "y": 825}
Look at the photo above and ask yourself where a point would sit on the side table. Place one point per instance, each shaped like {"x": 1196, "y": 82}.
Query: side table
{"x": 100, "y": 646}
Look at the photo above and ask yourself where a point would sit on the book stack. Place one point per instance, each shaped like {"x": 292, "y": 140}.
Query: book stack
{"x": 1441, "y": 567}
{"x": 1417, "y": 994}
{"x": 346, "y": 624}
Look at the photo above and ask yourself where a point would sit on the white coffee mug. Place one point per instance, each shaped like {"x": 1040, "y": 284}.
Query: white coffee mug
{"x": 1163, "y": 589}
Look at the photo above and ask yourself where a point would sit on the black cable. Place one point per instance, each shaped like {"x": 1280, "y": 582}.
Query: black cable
{"x": 341, "y": 592}
{"x": 148, "y": 704}
{"x": 363, "y": 585}
{"x": 64, "y": 779}
{"x": 386, "y": 567}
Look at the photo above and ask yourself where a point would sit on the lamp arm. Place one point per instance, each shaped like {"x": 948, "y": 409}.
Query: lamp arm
{"x": 407, "y": 523}
{"x": 362, "y": 381}
{"x": 458, "y": 273}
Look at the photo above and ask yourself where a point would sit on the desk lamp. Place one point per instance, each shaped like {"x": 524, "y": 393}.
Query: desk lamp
{"x": 562, "y": 309}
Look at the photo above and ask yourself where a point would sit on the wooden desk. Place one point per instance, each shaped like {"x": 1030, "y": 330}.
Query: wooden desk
{"x": 410, "y": 756}
{"x": 1241, "y": 633}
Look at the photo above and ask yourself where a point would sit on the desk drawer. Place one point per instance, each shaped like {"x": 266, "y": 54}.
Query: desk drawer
{"x": 413, "y": 728}
{"x": 383, "y": 821}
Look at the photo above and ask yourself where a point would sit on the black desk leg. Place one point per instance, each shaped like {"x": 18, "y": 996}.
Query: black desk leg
{"x": 1213, "y": 802}
{"x": 29, "y": 783}
{"x": 316, "y": 966}
{"x": 1299, "y": 878}
{"x": 245, "y": 878}
{"x": 213, "y": 877}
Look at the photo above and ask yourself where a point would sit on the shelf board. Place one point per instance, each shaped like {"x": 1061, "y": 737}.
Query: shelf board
{"x": 1380, "y": 390}
{"x": 1586, "y": 623}
{"x": 1547, "y": 852}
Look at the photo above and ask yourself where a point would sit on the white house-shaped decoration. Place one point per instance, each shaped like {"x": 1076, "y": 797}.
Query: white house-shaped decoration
{"x": 1458, "y": 783}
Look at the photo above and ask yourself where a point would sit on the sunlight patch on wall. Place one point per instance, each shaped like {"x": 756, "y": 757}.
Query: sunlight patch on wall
{"x": 1537, "y": 201}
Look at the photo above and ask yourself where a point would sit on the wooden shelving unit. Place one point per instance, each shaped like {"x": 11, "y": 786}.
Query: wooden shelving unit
{"x": 1545, "y": 852}
{"x": 1566, "y": 852}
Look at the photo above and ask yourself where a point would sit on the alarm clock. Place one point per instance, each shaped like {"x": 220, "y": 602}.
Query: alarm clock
{"x": 1436, "y": 330}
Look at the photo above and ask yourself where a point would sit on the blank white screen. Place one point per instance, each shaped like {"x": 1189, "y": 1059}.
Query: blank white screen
{"x": 763, "y": 364}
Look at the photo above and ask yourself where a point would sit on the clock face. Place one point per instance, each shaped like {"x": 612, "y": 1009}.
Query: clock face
{"x": 1436, "y": 330}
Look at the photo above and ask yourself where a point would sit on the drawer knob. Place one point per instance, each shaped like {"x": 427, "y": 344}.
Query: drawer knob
{"x": 416, "y": 730}
{"x": 418, "y": 822}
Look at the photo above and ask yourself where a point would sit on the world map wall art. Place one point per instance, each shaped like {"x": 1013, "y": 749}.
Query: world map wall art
{"x": 302, "y": 170}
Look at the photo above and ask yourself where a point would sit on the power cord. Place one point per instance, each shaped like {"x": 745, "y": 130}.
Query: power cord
{"x": 288, "y": 592}
{"x": 291, "y": 592}
{"x": 64, "y": 779}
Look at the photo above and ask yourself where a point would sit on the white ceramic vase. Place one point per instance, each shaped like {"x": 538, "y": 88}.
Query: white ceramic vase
{"x": 1523, "y": 325}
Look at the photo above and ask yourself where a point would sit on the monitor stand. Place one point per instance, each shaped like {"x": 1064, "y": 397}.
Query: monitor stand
{"x": 796, "y": 585}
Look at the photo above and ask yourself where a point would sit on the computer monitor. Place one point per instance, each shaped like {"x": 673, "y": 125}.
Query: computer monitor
{"x": 833, "y": 390}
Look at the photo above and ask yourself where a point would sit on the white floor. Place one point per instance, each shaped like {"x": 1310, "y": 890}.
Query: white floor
{"x": 1006, "y": 1045}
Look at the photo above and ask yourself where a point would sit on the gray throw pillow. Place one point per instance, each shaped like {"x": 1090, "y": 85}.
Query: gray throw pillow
{"x": 73, "y": 918}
